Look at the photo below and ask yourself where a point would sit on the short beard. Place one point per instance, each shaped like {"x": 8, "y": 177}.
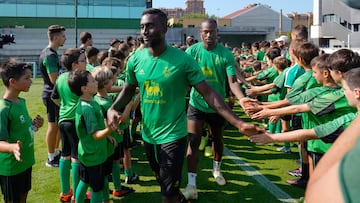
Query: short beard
{"x": 154, "y": 43}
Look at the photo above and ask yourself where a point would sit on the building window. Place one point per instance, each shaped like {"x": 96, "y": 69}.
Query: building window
{"x": 343, "y": 22}
{"x": 329, "y": 18}
{"x": 356, "y": 27}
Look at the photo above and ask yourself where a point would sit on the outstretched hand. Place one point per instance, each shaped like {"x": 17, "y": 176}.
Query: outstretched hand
{"x": 249, "y": 129}
{"x": 261, "y": 139}
{"x": 250, "y": 105}
{"x": 261, "y": 114}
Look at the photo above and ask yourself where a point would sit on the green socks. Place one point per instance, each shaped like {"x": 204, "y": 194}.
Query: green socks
{"x": 64, "y": 171}
{"x": 116, "y": 175}
{"x": 75, "y": 175}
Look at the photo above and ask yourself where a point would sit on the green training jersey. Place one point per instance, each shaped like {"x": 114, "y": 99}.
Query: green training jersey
{"x": 215, "y": 65}
{"x": 268, "y": 74}
{"x": 120, "y": 82}
{"x": 308, "y": 95}
{"x": 324, "y": 108}
{"x": 89, "y": 119}
{"x": 279, "y": 91}
{"x": 16, "y": 125}
{"x": 48, "y": 63}
{"x": 259, "y": 55}
{"x": 349, "y": 178}
{"x": 105, "y": 104}
{"x": 68, "y": 99}
{"x": 163, "y": 83}
{"x": 329, "y": 131}
{"x": 294, "y": 72}
{"x": 302, "y": 83}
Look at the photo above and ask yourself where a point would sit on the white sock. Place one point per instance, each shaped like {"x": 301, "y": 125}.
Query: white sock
{"x": 192, "y": 179}
{"x": 51, "y": 156}
{"x": 216, "y": 165}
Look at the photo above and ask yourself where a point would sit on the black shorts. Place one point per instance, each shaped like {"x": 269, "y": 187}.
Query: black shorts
{"x": 52, "y": 110}
{"x": 13, "y": 187}
{"x": 166, "y": 161}
{"x": 93, "y": 175}
{"x": 69, "y": 139}
{"x": 315, "y": 157}
{"x": 107, "y": 165}
{"x": 118, "y": 152}
{"x": 126, "y": 143}
{"x": 296, "y": 122}
{"x": 213, "y": 119}
{"x": 286, "y": 118}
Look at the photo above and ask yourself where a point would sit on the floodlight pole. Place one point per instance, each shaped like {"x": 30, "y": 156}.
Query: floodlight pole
{"x": 76, "y": 29}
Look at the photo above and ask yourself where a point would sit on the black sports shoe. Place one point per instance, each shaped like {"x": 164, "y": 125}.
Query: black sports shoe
{"x": 132, "y": 179}
{"x": 54, "y": 163}
{"x": 182, "y": 199}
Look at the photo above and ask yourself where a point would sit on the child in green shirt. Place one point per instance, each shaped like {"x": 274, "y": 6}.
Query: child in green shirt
{"x": 16, "y": 132}
{"x": 72, "y": 59}
{"x": 105, "y": 77}
{"x": 93, "y": 135}
{"x": 340, "y": 182}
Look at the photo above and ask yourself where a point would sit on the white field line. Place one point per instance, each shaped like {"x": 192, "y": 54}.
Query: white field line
{"x": 266, "y": 183}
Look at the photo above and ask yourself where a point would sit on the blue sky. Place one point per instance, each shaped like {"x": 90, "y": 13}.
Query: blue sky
{"x": 224, "y": 7}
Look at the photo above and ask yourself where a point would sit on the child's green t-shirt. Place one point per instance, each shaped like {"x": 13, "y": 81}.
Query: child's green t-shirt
{"x": 68, "y": 99}
{"x": 16, "y": 125}
{"x": 88, "y": 119}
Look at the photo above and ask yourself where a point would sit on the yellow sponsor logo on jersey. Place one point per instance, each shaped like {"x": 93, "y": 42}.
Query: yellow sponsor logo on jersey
{"x": 153, "y": 89}
{"x": 207, "y": 72}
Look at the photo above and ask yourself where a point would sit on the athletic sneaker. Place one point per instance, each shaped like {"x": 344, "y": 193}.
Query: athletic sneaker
{"x": 87, "y": 198}
{"x": 123, "y": 191}
{"x": 66, "y": 197}
{"x": 182, "y": 199}
{"x": 295, "y": 172}
{"x": 132, "y": 179}
{"x": 54, "y": 163}
{"x": 219, "y": 178}
{"x": 284, "y": 149}
{"x": 190, "y": 192}
{"x": 208, "y": 151}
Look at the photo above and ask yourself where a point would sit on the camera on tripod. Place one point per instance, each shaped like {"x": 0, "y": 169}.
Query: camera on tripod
{"x": 7, "y": 39}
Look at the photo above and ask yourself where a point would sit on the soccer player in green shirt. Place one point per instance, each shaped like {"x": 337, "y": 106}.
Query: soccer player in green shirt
{"x": 218, "y": 66}
{"x": 72, "y": 59}
{"x": 16, "y": 132}
{"x": 163, "y": 74}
